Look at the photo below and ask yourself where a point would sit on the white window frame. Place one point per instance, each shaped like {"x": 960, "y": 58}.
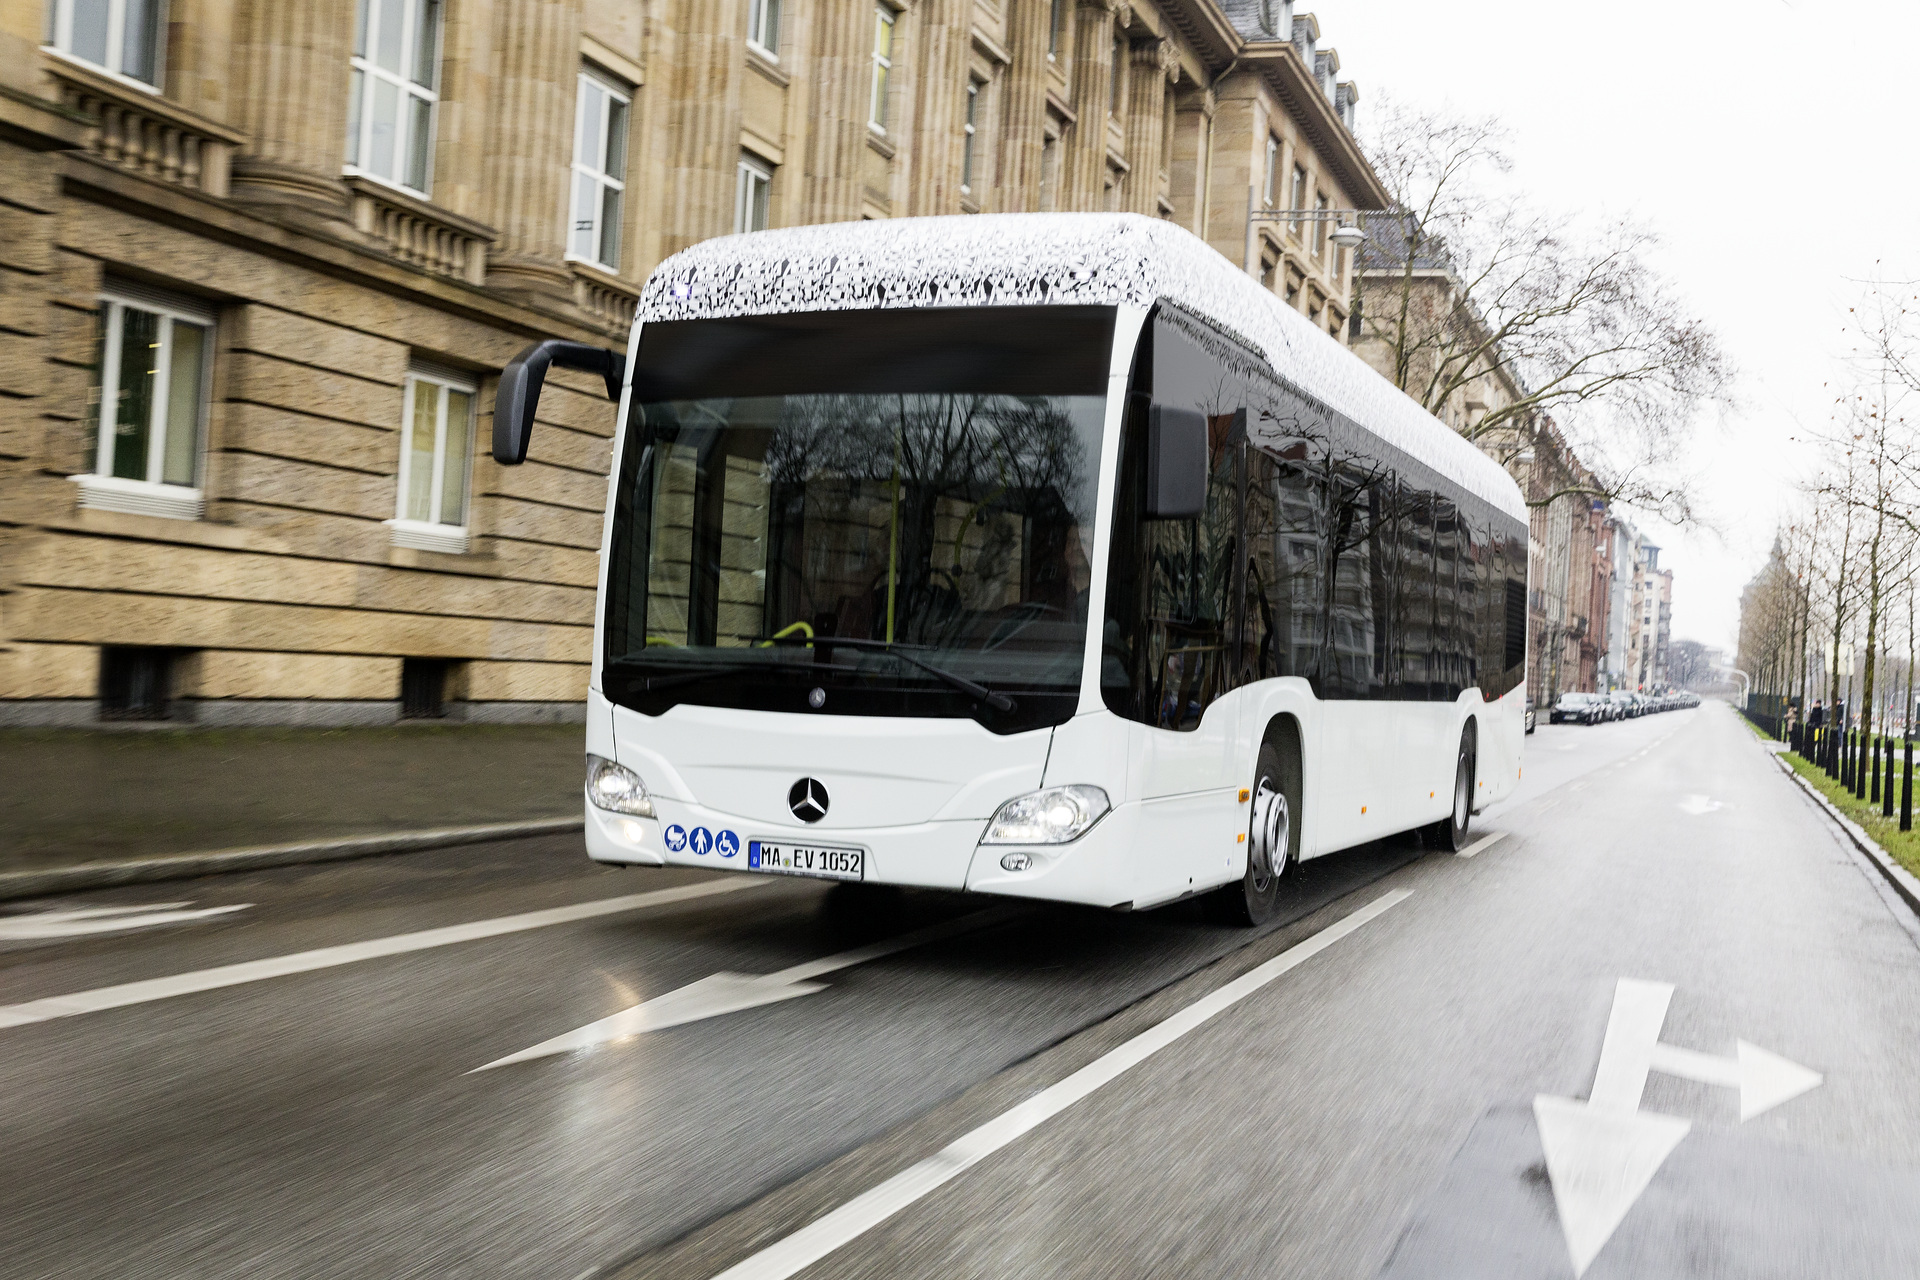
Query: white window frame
{"x": 752, "y": 172}
{"x": 589, "y": 82}
{"x": 100, "y": 489}
{"x": 763, "y": 28}
{"x": 60, "y": 40}
{"x": 1273, "y": 170}
{"x": 372, "y": 74}
{"x": 880, "y": 85}
{"x": 432, "y": 534}
{"x": 970, "y": 133}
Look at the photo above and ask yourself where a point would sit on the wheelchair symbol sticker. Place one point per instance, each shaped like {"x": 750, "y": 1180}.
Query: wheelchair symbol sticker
{"x": 726, "y": 844}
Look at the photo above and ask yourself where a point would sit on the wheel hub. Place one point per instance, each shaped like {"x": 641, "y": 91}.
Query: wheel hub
{"x": 1272, "y": 831}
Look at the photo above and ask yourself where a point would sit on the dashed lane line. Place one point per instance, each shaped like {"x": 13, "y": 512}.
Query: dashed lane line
{"x": 1483, "y": 843}
{"x": 232, "y": 975}
{"x": 794, "y": 1253}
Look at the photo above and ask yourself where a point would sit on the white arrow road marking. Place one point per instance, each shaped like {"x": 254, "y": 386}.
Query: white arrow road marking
{"x": 1602, "y": 1153}
{"x": 230, "y": 975}
{"x": 1599, "y": 1162}
{"x": 1698, "y": 805}
{"x": 797, "y": 1252}
{"x": 42, "y": 925}
{"x": 1765, "y": 1080}
{"x": 721, "y": 993}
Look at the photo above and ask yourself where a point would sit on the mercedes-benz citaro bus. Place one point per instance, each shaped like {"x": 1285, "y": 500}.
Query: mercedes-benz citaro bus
{"x": 1042, "y": 555}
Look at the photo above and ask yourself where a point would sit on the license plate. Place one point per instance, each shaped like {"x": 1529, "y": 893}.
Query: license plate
{"x": 806, "y": 860}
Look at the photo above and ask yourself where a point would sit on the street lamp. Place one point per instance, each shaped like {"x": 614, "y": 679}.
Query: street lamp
{"x": 1347, "y": 232}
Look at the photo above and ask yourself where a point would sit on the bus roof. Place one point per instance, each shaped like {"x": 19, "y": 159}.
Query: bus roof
{"x": 1035, "y": 259}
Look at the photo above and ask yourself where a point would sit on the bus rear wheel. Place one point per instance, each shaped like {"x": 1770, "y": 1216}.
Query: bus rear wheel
{"x": 1449, "y": 834}
{"x": 1255, "y": 898}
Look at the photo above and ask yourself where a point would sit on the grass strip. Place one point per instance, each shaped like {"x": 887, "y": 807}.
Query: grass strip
{"x": 1904, "y": 846}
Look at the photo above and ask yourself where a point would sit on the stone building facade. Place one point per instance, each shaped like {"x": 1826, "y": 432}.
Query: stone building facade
{"x": 261, "y": 263}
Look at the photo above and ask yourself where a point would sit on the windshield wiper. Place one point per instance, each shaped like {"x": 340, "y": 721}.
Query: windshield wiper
{"x": 998, "y": 701}
{"x": 651, "y": 683}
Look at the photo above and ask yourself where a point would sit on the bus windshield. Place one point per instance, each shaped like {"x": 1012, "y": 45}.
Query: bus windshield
{"x": 920, "y": 483}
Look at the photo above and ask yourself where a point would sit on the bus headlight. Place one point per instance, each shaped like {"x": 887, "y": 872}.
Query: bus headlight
{"x": 1053, "y": 816}
{"x": 617, "y": 789}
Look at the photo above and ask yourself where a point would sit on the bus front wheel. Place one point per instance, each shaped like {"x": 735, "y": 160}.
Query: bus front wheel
{"x": 1255, "y": 898}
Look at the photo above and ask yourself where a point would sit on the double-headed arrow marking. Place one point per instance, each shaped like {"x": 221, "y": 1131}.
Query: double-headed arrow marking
{"x": 1602, "y": 1153}
{"x": 723, "y": 992}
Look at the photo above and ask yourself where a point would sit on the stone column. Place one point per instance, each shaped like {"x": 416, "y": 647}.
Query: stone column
{"x": 530, "y": 144}
{"x": 1192, "y": 156}
{"x": 1023, "y": 107}
{"x": 1092, "y": 87}
{"x": 836, "y": 144}
{"x": 1155, "y": 67}
{"x": 702, "y": 137}
{"x": 944, "y": 32}
{"x": 291, "y": 64}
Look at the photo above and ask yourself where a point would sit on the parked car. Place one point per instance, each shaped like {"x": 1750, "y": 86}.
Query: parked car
{"x": 1529, "y": 715}
{"x": 1578, "y": 708}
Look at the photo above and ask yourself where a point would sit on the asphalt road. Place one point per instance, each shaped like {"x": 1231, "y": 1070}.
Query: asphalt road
{"x": 1357, "y": 1103}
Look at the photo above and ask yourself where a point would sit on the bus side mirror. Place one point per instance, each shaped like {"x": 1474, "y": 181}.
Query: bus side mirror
{"x": 1176, "y": 463}
{"x": 518, "y": 397}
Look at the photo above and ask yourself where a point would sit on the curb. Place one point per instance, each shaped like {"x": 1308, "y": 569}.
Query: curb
{"x": 1904, "y": 882}
{"x": 100, "y": 875}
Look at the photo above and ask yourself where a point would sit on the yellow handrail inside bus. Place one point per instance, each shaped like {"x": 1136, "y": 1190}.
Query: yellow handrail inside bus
{"x": 786, "y": 631}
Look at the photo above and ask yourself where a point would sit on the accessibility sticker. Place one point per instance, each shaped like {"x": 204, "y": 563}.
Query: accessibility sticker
{"x": 702, "y": 841}
{"x": 726, "y": 844}
{"x": 676, "y": 837}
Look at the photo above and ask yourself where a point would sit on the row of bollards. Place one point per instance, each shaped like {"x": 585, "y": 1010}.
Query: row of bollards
{"x": 1854, "y": 760}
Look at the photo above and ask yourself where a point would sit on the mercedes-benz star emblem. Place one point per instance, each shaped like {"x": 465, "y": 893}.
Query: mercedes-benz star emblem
{"x": 817, "y": 699}
{"x": 808, "y": 800}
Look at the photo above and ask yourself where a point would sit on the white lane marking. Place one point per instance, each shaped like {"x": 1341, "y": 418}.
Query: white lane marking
{"x": 1602, "y": 1153}
{"x": 1482, "y": 844}
{"x": 1698, "y": 805}
{"x": 724, "y": 992}
{"x": 821, "y": 1237}
{"x": 42, "y": 925}
{"x": 230, "y": 975}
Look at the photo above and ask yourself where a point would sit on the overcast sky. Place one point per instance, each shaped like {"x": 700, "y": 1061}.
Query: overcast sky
{"x": 1770, "y": 145}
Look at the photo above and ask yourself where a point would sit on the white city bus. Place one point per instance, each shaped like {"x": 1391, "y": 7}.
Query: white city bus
{"x": 1044, "y": 555}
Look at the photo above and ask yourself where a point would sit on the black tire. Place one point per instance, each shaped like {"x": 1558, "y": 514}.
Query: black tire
{"x": 1273, "y": 842}
{"x": 1449, "y": 834}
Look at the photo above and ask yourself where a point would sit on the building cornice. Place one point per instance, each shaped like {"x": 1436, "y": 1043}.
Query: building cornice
{"x": 1279, "y": 64}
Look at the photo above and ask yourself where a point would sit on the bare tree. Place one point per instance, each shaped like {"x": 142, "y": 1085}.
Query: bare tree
{"x": 1464, "y": 287}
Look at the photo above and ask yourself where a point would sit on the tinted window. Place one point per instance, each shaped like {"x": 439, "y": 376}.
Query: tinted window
{"x": 1324, "y": 554}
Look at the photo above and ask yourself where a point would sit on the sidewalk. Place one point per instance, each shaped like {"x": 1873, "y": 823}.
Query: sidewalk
{"x": 73, "y": 797}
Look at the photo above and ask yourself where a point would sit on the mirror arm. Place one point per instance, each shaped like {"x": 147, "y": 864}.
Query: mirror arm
{"x": 518, "y": 396}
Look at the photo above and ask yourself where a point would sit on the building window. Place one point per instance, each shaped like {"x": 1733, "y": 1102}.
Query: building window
{"x": 135, "y": 683}
{"x": 1117, "y": 81}
{"x": 971, "y": 129}
{"x": 1056, "y": 26}
{"x": 423, "y": 688}
{"x": 119, "y": 36}
{"x": 882, "y": 64}
{"x": 1320, "y": 242}
{"x": 763, "y": 26}
{"x": 396, "y": 77}
{"x": 154, "y": 365}
{"x": 753, "y": 192}
{"x": 1270, "y": 189}
{"x": 436, "y": 454}
{"x": 1297, "y": 198}
{"x": 599, "y": 172}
